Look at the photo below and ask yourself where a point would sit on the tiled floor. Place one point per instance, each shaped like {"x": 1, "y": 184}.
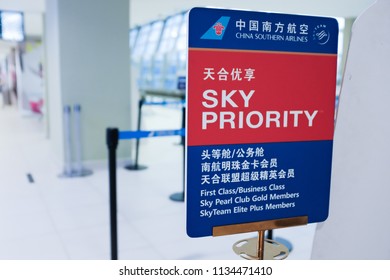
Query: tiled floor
{"x": 68, "y": 218}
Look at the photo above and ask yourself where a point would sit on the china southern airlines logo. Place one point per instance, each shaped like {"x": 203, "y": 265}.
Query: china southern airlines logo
{"x": 321, "y": 34}
{"x": 217, "y": 30}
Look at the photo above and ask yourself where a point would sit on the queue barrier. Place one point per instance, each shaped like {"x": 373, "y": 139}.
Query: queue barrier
{"x": 113, "y": 135}
{"x": 127, "y": 135}
{"x": 136, "y": 166}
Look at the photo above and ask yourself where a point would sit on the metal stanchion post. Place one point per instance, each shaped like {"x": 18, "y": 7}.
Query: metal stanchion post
{"x": 260, "y": 245}
{"x": 183, "y": 119}
{"x": 79, "y": 170}
{"x": 112, "y": 138}
{"x": 68, "y": 170}
{"x": 136, "y": 166}
{"x": 269, "y": 234}
{"x": 180, "y": 196}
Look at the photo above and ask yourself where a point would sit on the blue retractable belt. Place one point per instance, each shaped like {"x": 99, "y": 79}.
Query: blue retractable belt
{"x": 123, "y": 135}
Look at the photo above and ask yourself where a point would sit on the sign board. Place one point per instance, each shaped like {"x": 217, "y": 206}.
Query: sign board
{"x": 260, "y": 117}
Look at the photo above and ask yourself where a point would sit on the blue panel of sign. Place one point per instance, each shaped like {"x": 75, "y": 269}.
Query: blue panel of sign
{"x": 244, "y": 30}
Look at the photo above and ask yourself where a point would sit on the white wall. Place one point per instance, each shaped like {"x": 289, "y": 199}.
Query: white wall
{"x": 33, "y": 24}
{"x": 35, "y": 6}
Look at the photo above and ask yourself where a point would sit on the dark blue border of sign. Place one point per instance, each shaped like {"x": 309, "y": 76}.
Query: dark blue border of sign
{"x": 202, "y": 19}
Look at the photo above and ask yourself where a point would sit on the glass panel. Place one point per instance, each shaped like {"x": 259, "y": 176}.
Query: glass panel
{"x": 12, "y": 26}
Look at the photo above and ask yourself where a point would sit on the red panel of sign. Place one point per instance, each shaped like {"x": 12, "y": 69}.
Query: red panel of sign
{"x": 275, "y": 97}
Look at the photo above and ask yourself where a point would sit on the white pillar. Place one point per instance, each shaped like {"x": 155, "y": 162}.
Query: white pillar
{"x": 87, "y": 59}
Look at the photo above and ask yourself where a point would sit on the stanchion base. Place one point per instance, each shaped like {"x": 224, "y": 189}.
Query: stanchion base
{"x": 179, "y": 197}
{"x": 179, "y": 143}
{"x": 285, "y": 242}
{"x": 74, "y": 173}
{"x": 133, "y": 167}
{"x": 84, "y": 172}
{"x": 247, "y": 249}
